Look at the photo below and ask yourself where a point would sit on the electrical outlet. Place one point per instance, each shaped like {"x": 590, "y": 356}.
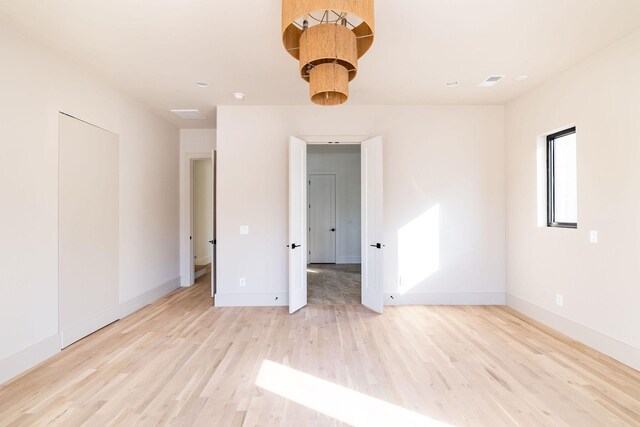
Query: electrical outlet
{"x": 559, "y": 300}
{"x": 244, "y": 229}
{"x": 593, "y": 236}
{"x": 243, "y": 282}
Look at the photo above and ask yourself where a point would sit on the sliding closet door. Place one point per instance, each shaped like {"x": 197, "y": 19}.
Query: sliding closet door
{"x": 88, "y": 229}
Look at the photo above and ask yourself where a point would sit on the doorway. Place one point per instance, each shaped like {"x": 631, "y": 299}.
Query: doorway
{"x": 202, "y": 221}
{"x": 334, "y": 239}
{"x": 323, "y": 267}
{"x": 202, "y": 170}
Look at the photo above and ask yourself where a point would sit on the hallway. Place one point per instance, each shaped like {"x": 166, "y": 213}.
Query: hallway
{"x": 334, "y": 283}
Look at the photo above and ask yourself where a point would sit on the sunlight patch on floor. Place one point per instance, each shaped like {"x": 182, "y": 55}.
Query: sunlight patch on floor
{"x": 335, "y": 401}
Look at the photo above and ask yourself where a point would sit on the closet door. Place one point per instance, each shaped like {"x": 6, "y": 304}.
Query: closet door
{"x": 88, "y": 228}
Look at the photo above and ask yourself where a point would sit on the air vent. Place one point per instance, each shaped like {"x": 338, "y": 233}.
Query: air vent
{"x": 189, "y": 114}
{"x": 491, "y": 81}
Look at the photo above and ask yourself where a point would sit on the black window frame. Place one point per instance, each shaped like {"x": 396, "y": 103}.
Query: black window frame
{"x": 551, "y": 210}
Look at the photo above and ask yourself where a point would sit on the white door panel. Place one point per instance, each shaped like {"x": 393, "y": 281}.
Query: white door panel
{"x": 214, "y": 263}
{"x": 372, "y": 224}
{"x": 88, "y": 228}
{"x": 322, "y": 218}
{"x": 297, "y": 246}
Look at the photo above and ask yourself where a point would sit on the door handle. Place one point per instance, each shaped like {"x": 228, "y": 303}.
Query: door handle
{"x": 377, "y": 245}
{"x": 293, "y": 246}
{"x": 333, "y": 229}
{"x": 213, "y": 242}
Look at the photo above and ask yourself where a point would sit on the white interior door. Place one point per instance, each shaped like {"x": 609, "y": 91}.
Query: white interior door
{"x": 322, "y": 218}
{"x": 88, "y": 229}
{"x": 213, "y": 240}
{"x": 297, "y": 224}
{"x": 372, "y": 224}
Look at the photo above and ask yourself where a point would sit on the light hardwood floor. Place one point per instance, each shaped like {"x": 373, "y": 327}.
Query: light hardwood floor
{"x": 182, "y": 362}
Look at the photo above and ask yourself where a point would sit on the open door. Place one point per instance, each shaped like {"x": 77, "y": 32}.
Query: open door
{"x": 297, "y": 224}
{"x": 372, "y": 210}
{"x": 213, "y": 242}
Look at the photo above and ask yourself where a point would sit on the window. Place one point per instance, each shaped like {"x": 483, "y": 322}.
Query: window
{"x": 562, "y": 180}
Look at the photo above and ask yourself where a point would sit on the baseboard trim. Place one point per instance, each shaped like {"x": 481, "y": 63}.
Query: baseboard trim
{"x": 20, "y": 362}
{"x": 622, "y": 352}
{"x": 200, "y": 273}
{"x": 135, "y": 304}
{"x": 251, "y": 300}
{"x": 203, "y": 260}
{"x": 87, "y": 326}
{"x": 349, "y": 260}
{"x": 446, "y": 298}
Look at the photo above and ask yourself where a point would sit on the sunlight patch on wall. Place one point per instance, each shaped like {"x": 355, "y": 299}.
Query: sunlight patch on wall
{"x": 336, "y": 401}
{"x": 419, "y": 249}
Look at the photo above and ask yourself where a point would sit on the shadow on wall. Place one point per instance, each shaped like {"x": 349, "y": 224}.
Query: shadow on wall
{"x": 419, "y": 249}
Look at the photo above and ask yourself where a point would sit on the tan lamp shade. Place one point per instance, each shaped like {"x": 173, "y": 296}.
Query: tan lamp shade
{"x": 328, "y": 51}
{"x": 328, "y": 43}
{"x": 329, "y": 84}
{"x": 293, "y": 10}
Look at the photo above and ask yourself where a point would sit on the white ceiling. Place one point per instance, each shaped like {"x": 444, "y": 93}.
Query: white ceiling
{"x": 156, "y": 50}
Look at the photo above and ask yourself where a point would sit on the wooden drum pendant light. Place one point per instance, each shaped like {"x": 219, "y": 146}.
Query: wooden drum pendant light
{"x": 327, "y": 37}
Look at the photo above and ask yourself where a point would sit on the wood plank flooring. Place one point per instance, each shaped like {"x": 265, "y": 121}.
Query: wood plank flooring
{"x": 180, "y": 361}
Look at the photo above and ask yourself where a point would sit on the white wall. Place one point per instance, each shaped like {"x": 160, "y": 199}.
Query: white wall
{"x": 600, "y": 282}
{"x": 442, "y": 158}
{"x": 344, "y": 162}
{"x": 194, "y": 144}
{"x": 203, "y": 211}
{"x": 35, "y": 85}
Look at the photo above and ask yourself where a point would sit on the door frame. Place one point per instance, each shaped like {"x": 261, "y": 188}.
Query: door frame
{"x": 187, "y": 263}
{"x": 340, "y": 140}
{"x": 337, "y": 209}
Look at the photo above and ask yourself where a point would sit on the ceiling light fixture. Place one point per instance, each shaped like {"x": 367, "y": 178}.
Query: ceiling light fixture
{"x": 238, "y": 96}
{"x": 202, "y": 84}
{"x": 452, "y": 83}
{"x": 327, "y": 37}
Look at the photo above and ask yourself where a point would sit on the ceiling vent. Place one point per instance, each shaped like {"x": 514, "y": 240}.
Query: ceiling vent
{"x": 491, "y": 81}
{"x": 189, "y": 114}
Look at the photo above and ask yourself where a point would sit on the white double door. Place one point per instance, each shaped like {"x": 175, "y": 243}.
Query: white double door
{"x": 371, "y": 211}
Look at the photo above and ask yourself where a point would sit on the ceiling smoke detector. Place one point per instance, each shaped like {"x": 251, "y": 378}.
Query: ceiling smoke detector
{"x": 189, "y": 114}
{"x": 239, "y": 96}
{"x": 491, "y": 81}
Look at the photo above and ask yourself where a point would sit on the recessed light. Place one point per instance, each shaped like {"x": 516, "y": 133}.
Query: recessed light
{"x": 521, "y": 78}
{"x": 202, "y": 84}
{"x": 238, "y": 96}
{"x": 452, "y": 83}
